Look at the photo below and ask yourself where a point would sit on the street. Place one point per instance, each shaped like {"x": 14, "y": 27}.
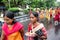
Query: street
{"x": 51, "y": 35}
{"x": 46, "y": 12}
{"x": 50, "y": 31}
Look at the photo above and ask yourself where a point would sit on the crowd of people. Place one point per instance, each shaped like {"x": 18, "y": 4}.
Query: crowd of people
{"x": 49, "y": 16}
{"x": 14, "y": 30}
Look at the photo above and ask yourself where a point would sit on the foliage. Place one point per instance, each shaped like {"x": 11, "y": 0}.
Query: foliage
{"x": 31, "y": 3}
{"x": 13, "y": 9}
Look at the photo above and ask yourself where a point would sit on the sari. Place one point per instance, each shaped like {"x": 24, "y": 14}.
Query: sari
{"x": 12, "y": 33}
{"x": 41, "y": 15}
{"x": 51, "y": 13}
{"x": 47, "y": 15}
{"x": 41, "y": 26}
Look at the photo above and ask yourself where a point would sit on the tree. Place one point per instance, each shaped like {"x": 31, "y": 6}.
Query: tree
{"x": 50, "y": 3}
{"x": 41, "y": 3}
{"x": 31, "y": 3}
{"x": 13, "y": 3}
{"x": 58, "y": 3}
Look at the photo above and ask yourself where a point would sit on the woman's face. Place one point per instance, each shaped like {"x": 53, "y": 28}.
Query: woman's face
{"x": 33, "y": 19}
{"x": 8, "y": 20}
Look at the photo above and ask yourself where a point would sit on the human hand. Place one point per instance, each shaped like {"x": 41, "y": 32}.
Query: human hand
{"x": 30, "y": 34}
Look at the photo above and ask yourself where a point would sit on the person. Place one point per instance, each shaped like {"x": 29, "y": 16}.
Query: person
{"x": 42, "y": 14}
{"x": 50, "y": 11}
{"x": 34, "y": 26}
{"x": 47, "y": 14}
{"x": 56, "y": 21}
{"x": 30, "y": 11}
{"x": 59, "y": 13}
{"x": 37, "y": 10}
{"x": 12, "y": 29}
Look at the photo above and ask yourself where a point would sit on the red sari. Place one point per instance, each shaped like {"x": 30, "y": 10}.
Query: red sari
{"x": 43, "y": 30}
{"x": 56, "y": 18}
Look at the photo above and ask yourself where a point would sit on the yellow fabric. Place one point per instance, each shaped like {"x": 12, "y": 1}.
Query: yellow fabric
{"x": 41, "y": 16}
{"x": 47, "y": 15}
{"x": 50, "y": 11}
{"x": 15, "y": 36}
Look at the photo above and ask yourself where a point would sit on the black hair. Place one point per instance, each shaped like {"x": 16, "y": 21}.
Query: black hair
{"x": 36, "y": 15}
{"x": 9, "y": 14}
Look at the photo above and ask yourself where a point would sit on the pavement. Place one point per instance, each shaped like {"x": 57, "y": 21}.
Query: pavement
{"x": 50, "y": 31}
{"x": 51, "y": 34}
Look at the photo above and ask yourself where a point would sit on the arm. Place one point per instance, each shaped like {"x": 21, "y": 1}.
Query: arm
{"x": 44, "y": 36}
{"x": 2, "y": 36}
{"x": 22, "y": 32}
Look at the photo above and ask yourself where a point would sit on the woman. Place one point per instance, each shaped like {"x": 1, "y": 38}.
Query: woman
{"x": 47, "y": 14}
{"x": 33, "y": 27}
{"x": 42, "y": 14}
{"x": 11, "y": 29}
{"x": 50, "y": 11}
{"x": 56, "y": 21}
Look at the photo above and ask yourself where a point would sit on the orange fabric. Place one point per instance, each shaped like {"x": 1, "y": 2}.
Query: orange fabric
{"x": 56, "y": 11}
{"x": 15, "y": 36}
{"x": 41, "y": 16}
{"x": 50, "y": 11}
{"x": 47, "y": 15}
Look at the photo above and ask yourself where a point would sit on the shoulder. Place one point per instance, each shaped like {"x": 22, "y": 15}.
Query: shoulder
{"x": 18, "y": 24}
{"x": 4, "y": 24}
{"x": 41, "y": 24}
{"x": 43, "y": 27}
